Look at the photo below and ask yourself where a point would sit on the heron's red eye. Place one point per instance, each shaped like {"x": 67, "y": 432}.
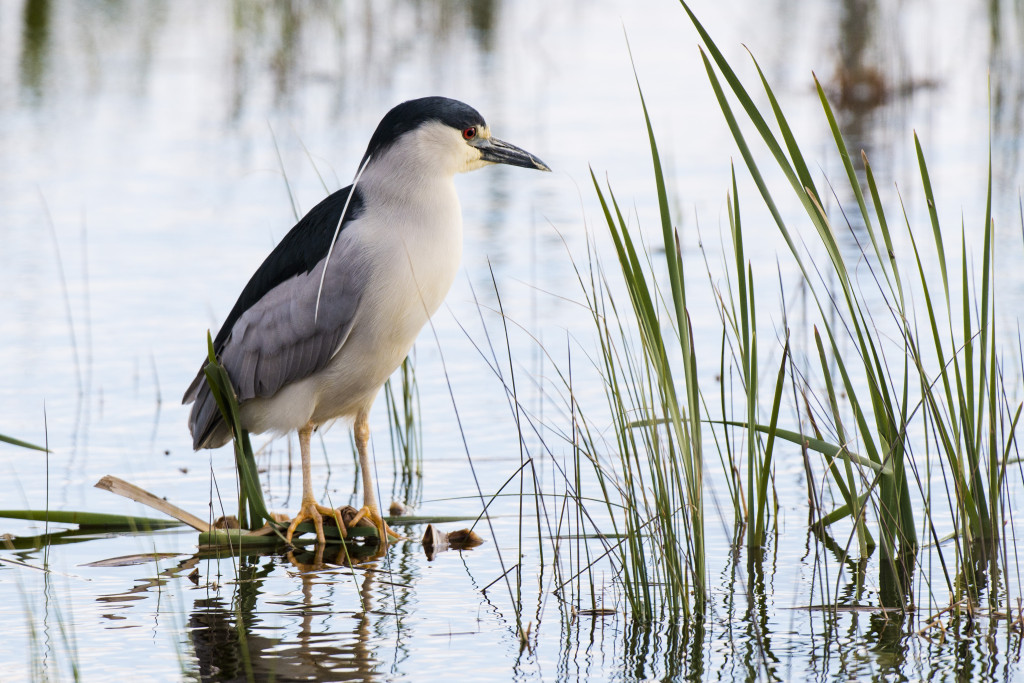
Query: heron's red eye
{"x": 469, "y": 133}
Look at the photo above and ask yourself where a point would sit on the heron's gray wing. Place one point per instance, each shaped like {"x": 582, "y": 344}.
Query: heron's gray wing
{"x": 302, "y": 248}
{"x": 293, "y": 259}
{"x": 284, "y": 337}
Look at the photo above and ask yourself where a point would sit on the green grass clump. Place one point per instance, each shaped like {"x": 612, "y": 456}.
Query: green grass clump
{"x": 939, "y": 385}
{"x": 902, "y": 396}
{"x": 658, "y": 431}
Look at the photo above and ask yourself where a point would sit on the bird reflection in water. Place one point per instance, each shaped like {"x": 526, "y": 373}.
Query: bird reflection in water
{"x": 232, "y": 636}
{"x": 230, "y": 642}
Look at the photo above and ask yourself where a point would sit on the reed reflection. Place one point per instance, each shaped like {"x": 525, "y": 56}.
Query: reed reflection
{"x": 35, "y": 45}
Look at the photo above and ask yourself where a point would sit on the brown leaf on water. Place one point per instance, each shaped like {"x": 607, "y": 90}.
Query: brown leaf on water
{"x": 463, "y": 539}
{"x": 435, "y": 541}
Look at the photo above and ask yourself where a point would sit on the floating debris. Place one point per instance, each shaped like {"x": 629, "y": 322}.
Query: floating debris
{"x": 435, "y": 541}
{"x": 226, "y": 522}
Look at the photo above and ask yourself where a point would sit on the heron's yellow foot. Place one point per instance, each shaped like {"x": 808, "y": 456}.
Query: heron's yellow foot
{"x": 384, "y": 532}
{"x": 313, "y": 511}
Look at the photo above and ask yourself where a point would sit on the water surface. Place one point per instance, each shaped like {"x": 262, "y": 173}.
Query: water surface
{"x": 154, "y": 152}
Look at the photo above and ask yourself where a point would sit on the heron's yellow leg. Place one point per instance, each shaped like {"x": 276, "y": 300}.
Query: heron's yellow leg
{"x": 310, "y": 509}
{"x": 361, "y": 431}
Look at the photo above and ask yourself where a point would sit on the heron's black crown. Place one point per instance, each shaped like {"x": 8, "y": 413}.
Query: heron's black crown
{"x": 412, "y": 114}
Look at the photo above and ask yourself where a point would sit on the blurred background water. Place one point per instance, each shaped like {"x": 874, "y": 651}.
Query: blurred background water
{"x": 150, "y": 155}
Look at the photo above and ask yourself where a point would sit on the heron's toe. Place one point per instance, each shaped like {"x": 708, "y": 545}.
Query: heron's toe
{"x": 314, "y": 512}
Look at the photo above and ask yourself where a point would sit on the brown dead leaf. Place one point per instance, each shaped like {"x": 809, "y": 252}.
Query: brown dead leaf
{"x": 227, "y": 522}
{"x": 435, "y": 541}
{"x": 464, "y": 539}
{"x": 347, "y": 514}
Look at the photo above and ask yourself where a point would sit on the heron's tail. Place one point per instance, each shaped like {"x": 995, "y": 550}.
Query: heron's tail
{"x": 205, "y": 422}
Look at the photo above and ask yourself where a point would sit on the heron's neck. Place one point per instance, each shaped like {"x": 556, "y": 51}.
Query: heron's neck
{"x": 402, "y": 187}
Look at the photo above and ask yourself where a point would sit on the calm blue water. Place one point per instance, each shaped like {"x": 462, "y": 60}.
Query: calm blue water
{"x": 148, "y": 152}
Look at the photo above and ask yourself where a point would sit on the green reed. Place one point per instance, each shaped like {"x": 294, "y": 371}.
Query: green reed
{"x": 252, "y": 509}
{"x": 404, "y": 428}
{"x": 889, "y": 391}
{"x": 657, "y": 428}
{"x": 931, "y": 377}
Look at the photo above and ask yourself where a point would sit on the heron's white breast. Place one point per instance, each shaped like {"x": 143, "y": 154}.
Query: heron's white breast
{"x": 412, "y": 251}
{"x": 415, "y": 248}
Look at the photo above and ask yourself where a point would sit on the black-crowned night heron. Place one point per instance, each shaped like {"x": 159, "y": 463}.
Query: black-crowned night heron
{"x": 337, "y": 305}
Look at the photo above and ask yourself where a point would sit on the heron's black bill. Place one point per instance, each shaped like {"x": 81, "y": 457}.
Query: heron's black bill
{"x": 500, "y": 152}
